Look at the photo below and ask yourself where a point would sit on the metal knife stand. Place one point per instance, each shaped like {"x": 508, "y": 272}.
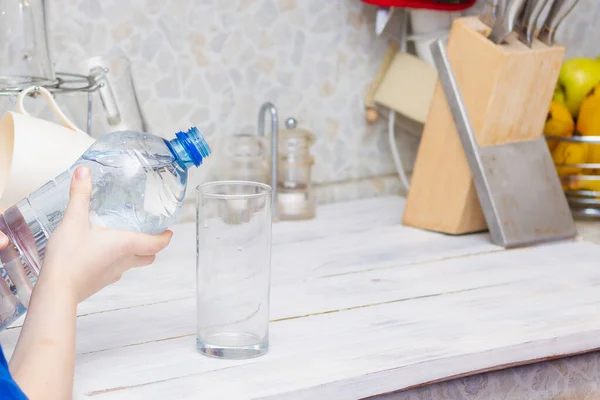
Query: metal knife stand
{"x": 67, "y": 83}
{"x": 506, "y": 90}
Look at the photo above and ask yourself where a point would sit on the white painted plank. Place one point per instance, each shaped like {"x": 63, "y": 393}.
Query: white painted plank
{"x": 330, "y": 379}
{"x": 342, "y": 218}
{"x": 403, "y": 307}
{"x": 536, "y": 306}
{"x": 174, "y": 268}
{"x": 172, "y": 277}
{"x": 312, "y": 266}
{"x": 330, "y": 352}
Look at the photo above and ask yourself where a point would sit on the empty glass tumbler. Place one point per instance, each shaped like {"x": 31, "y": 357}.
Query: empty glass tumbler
{"x": 233, "y": 268}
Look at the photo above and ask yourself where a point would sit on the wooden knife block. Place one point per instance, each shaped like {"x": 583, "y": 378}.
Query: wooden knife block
{"x": 507, "y": 90}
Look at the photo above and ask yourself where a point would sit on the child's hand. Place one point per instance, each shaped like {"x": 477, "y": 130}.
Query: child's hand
{"x": 83, "y": 259}
{"x": 79, "y": 261}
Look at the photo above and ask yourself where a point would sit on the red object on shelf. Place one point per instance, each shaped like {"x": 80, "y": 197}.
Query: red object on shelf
{"x": 427, "y": 4}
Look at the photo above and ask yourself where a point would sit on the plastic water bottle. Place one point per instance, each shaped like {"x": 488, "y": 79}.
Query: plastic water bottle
{"x": 139, "y": 182}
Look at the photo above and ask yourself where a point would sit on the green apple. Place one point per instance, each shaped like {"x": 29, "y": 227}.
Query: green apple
{"x": 576, "y": 78}
{"x": 559, "y": 95}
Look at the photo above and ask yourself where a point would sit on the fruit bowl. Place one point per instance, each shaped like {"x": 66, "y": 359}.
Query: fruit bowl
{"x": 572, "y": 131}
{"x": 580, "y": 181}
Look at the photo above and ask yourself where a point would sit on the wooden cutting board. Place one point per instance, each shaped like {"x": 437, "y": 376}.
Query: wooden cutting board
{"x": 408, "y": 86}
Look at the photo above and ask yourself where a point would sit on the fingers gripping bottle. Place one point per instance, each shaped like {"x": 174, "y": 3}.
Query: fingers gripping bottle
{"x": 139, "y": 182}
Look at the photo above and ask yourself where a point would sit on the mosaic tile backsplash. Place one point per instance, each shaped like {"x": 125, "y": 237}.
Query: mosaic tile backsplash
{"x": 212, "y": 63}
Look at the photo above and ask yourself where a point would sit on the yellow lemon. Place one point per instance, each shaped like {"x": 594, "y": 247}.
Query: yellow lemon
{"x": 588, "y": 120}
{"x": 589, "y": 185}
{"x": 593, "y": 158}
{"x": 569, "y": 153}
{"x": 559, "y": 122}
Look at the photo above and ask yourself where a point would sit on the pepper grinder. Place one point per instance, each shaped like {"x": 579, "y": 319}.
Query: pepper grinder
{"x": 296, "y": 197}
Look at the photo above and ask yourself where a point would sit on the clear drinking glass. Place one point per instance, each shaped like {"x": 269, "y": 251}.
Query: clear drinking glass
{"x": 233, "y": 266}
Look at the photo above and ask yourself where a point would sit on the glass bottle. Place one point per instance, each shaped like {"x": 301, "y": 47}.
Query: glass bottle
{"x": 296, "y": 198}
{"x": 244, "y": 158}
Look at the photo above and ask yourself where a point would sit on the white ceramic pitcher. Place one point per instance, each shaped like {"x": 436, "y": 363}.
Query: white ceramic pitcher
{"x": 33, "y": 151}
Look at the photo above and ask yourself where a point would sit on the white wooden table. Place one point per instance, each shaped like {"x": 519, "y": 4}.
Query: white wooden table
{"x": 361, "y": 305}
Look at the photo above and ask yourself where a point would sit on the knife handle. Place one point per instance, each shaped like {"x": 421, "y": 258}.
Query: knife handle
{"x": 507, "y": 17}
{"x": 490, "y": 12}
{"x": 558, "y": 11}
{"x": 529, "y": 20}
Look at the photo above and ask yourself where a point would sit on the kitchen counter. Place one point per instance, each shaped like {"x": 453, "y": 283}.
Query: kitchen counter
{"x": 361, "y": 306}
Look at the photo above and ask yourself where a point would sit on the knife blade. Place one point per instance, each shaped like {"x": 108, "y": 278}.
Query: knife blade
{"x": 490, "y": 12}
{"x": 529, "y": 19}
{"x": 506, "y": 20}
{"x": 558, "y": 11}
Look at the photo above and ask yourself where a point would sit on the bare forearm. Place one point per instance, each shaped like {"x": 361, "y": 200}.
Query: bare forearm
{"x": 43, "y": 361}
{"x": 79, "y": 260}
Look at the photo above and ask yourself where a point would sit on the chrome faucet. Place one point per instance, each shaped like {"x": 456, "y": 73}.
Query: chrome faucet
{"x": 274, "y": 147}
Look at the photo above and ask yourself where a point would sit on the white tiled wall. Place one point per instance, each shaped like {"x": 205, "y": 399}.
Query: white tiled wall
{"x": 211, "y": 63}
